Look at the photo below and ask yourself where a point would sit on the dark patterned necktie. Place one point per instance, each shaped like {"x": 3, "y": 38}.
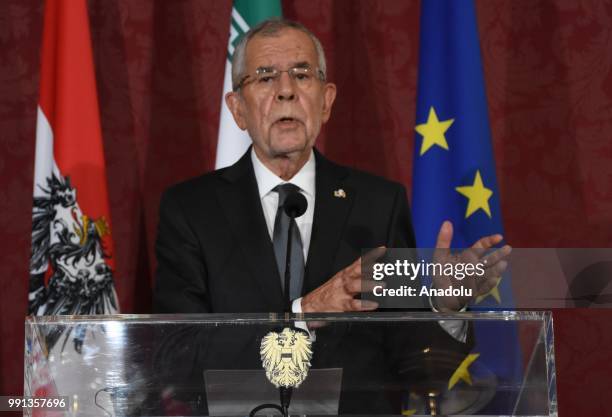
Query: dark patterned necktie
{"x": 281, "y": 229}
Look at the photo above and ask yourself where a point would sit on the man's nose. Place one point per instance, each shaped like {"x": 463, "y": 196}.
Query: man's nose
{"x": 285, "y": 88}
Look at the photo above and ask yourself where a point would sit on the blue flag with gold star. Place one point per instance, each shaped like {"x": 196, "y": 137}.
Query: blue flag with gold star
{"x": 454, "y": 169}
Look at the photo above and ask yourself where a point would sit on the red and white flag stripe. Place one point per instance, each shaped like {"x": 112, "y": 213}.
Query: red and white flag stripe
{"x": 71, "y": 268}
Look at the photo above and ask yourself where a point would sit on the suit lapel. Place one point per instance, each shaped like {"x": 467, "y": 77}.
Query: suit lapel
{"x": 333, "y": 202}
{"x": 240, "y": 200}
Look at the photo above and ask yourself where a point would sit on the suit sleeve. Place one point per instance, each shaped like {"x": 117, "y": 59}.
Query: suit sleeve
{"x": 181, "y": 270}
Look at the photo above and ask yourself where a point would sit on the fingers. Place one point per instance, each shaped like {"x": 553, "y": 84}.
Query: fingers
{"x": 480, "y": 250}
{"x": 374, "y": 254}
{"x": 443, "y": 242}
{"x": 353, "y": 270}
{"x": 445, "y": 235}
{"x": 368, "y": 259}
{"x": 497, "y": 269}
{"x": 352, "y": 274}
{"x": 363, "y": 305}
{"x": 315, "y": 324}
{"x": 493, "y": 258}
{"x": 492, "y": 278}
{"x": 337, "y": 294}
{"x": 354, "y": 287}
{"x": 488, "y": 241}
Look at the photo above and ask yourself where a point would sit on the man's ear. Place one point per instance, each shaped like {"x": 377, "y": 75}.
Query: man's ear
{"x": 235, "y": 103}
{"x": 329, "y": 95}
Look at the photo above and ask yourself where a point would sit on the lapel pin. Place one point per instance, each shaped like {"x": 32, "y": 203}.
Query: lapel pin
{"x": 339, "y": 193}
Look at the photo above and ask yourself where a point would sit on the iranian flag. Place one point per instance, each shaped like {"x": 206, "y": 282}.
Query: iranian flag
{"x": 71, "y": 269}
{"x": 233, "y": 142}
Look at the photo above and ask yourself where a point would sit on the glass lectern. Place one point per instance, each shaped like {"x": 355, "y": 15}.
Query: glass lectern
{"x": 374, "y": 364}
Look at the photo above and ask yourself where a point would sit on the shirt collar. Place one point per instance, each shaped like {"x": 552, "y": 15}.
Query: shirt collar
{"x": 267, "y": 180}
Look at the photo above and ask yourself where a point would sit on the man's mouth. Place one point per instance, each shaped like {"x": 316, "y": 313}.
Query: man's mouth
{"x": 287, "y": 122}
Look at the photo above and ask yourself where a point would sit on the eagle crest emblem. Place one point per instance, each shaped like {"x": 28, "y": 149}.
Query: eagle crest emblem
{"x": 286, "y": 357}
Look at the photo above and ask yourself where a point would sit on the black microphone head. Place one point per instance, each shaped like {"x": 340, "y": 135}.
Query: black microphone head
{"x": 295, "y": 204}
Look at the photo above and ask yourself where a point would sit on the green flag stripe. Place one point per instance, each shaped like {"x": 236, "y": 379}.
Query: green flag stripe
{"x": 238, "y": 28}
{"x": 238, "y": 21}
{"x": 248, "y": 13}
{"x": 254, "y": 12}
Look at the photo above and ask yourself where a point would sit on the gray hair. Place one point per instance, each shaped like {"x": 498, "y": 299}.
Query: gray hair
{"x": 271, "y": 27}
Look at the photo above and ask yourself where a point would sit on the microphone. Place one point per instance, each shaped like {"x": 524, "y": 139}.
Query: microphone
{"x": 295, "y": 205}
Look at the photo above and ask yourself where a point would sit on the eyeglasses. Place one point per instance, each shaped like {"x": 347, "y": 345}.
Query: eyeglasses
{"x": 267, "y": 78}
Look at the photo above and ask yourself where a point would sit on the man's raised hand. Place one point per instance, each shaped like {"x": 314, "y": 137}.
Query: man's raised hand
{"x": 494, "y": 265}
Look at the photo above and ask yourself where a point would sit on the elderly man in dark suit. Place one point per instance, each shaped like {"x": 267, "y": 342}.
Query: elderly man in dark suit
{"x": 220, "y": 244}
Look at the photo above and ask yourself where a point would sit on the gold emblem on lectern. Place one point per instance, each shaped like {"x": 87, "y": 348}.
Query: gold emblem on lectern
{"x": 286, "y": 357}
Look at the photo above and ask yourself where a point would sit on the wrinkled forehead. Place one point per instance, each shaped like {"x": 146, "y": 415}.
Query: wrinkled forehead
{"x": 285, "y": 49}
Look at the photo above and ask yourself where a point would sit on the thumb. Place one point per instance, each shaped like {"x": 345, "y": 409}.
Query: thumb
{"x": 445, "y": 235}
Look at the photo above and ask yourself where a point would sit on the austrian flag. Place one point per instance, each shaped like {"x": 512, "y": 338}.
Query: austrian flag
{"x": 71, "y": 270}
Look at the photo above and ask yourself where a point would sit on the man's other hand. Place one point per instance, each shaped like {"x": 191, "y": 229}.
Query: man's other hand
{"x": 479, "y": 252}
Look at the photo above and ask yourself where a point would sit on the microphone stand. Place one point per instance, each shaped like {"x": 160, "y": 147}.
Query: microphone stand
{"x": 285, "y": 393}
{"x": 287, "y": 277}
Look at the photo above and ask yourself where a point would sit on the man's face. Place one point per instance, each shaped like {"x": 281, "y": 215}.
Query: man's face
{"x": 283, "y": 117}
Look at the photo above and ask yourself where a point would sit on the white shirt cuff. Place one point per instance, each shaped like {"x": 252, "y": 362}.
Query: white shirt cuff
{"x": 296, "y": 307}
{"x": 456, "y": 328}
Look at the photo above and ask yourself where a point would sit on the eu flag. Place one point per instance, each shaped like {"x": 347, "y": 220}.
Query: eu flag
{"x": 454, "y": 170}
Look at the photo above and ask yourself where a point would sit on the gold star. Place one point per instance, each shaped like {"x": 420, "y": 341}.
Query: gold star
{"x": 493, "y": 293}
{"x": 433, "y": 131}
{"x": 478, "y": 196}
{"x": 462, "y": 372}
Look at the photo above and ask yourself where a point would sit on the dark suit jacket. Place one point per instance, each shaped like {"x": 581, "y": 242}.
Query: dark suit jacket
{"x": 215, "y": 256}
{"x": 214, "y": 252}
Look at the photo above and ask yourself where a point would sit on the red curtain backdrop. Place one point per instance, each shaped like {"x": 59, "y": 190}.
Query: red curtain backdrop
{"x": 159, "y": 68}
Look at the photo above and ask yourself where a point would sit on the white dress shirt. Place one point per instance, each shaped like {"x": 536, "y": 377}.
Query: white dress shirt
{"x": 305, "y": 180}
